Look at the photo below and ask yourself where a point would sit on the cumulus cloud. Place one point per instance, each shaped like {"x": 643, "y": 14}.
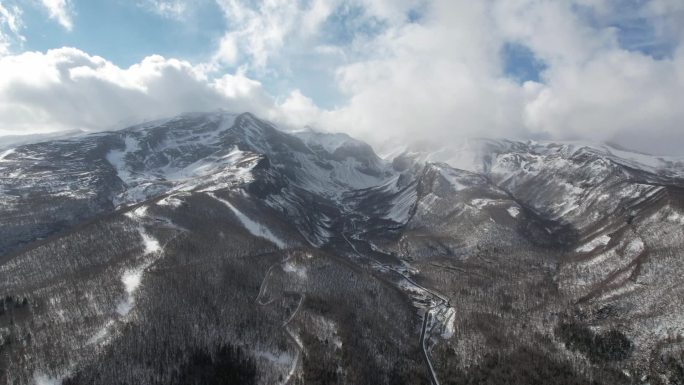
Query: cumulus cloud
{"x": 442, "y": 79}
{"x": 67, "y": 89}
{"x": 258, "y": 29}
{"x": 413, "y": 70}
{"x": 437, "y": 80}
{"x": 618, "y": 96}
{"x": 60, "y": 11}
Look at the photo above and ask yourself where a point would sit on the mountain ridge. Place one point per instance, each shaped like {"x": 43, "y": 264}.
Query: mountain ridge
{"x": 550, "y": 250}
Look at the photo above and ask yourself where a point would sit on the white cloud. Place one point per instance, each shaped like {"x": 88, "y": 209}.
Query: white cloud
{"x": 66, "y": 89}
{"x": 174, "y": 9}
{"x": 60, "y": 11}
{"x": 436, "y": 76}
{"x": 257, "y": 30}
{"x": 617, "y": 96}
{"x": 260, "y": 30}
{"x": 434, "y": 81}
{"x": 227, "y": 52}
{"x": 10, "y": 27}
{"x": 442, "y": 80}
{"x": 298, "y": 110}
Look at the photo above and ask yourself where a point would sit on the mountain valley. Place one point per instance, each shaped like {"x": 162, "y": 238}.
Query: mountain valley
{"x": 215, "y": 248}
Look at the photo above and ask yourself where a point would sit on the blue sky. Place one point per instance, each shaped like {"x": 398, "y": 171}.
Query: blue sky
{"x": 596, "y": 70}
{"x": 126, "y": 31}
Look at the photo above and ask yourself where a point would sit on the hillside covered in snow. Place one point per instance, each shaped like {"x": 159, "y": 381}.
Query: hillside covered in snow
{"x": 213, "y": 247}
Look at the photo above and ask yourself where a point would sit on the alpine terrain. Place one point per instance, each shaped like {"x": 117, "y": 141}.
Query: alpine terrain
{"x": 214, "y": 248}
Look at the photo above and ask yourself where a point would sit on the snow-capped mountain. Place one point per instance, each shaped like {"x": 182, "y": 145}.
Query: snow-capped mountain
{"x": 213, "y": 247}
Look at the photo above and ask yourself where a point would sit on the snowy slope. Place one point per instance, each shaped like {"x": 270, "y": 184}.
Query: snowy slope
{"x": 428, "y": 258}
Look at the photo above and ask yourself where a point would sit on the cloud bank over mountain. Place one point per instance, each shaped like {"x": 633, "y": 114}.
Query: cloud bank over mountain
{"x": 67, "y": 89}
{"x": 424, "y": 70}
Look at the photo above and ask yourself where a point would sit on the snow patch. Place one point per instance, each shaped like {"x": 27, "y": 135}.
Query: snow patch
{"x": 401, "y": 206}
{"x": 151, "y": 244}
{"x": 599, "y": 260}
{"x": 327, "y": 329}
{"x": 448, "y": 322}
{"x": 454, "y": 177}
{"x": 5, "y": 154}
{"x": 649, "y": 161}
{"x": 513, "y": 211}
{"x": 221, "y": 168}
{"x": 170, "y": 201}
{"x": 635, "y": 247}
{"x": 117, "y": 158}
{"x": 132, "y": 278}
{"x": 329, "y": 141}
{"x": 676, "y": 217}
{"x": 43, "y": 379}
{"x": 594, "y": 244}
{"x": 625, "y": 289}
{"x": 137, "y": 214}
{"x": 291, "y": 267}
{"x": 331, "y": 182}
{"x": 253, "y": 227}
{"x": 481, "y": 203}
{"x": 283, "y": 359}
{"x": 101, "y": 334}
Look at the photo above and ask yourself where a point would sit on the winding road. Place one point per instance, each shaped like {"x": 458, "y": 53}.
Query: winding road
{"x": 437, "y": 300}
{"x": 293, "y": 337}
{"x": 433, "y": 375}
